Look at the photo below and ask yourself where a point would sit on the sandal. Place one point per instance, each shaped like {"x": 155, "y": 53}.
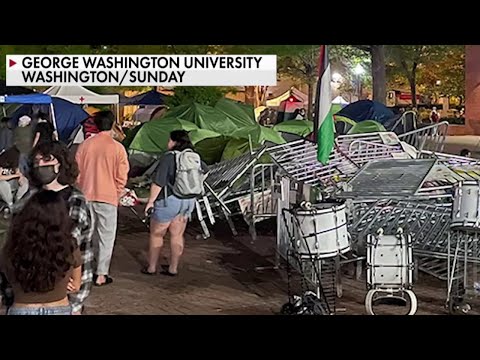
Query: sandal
{"x": 168, "y": 273}
{"x": 146, "y": 272}
{"x": 108, "y": 280}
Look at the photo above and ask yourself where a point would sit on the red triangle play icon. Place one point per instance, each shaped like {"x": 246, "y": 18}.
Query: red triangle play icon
{"x": 11, "y": 63}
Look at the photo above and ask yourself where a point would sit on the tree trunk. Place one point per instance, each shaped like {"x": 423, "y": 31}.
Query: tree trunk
{"x": 261, "y": 95}
{"x": 256, "y": 95}
{"x": 379, "y": 82}
{"x": 412, "y": 80}
{"x": 413, "y": 85}
{"x": 250, "y": 95}
{"x": 310, "y": 101}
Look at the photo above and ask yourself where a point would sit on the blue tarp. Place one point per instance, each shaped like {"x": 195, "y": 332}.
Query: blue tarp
{"x": 26, "y": 99}
{"x": 151, "y": 97}
{"x": 366, "y": 110}
{"x": 67, "y": 116}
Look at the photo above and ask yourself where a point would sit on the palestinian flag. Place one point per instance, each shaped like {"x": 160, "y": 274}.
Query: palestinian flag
{"x": 323, "y": 119}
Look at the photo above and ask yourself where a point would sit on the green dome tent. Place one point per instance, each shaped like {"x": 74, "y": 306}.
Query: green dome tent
{"x": 153, "y": 136}
{"x": 211, "y": 129}
{"x": 367, "y": 126}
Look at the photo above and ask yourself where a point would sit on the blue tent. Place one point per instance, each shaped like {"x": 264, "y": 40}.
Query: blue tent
{"x": 151, "y": 97}
{"x": 26, "y": 99}
{"x": 366, "y": 110}
{"x": 68, "y": 116}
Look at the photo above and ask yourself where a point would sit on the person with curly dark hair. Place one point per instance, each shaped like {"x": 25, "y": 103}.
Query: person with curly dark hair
{"x": 54, "y": 168}
{"x": 50, "y": 161}
{"x": 41, "y": 255}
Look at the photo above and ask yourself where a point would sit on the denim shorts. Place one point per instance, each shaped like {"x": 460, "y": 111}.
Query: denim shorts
{"x": 165, "y": 210}
{"x": 45, "y": 310}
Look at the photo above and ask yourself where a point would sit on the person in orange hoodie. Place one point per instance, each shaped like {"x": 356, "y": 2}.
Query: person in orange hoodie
{"x": 103, "y": 164}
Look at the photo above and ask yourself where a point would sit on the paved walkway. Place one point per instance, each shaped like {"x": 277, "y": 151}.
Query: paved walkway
{"x": 218, "y": 277}
{"x": 455, "y": 144}
{"x": 209, "y": 281}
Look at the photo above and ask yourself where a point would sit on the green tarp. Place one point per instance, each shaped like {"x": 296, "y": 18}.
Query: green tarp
{"x": 227, "y": 118}
{"x": 296, "y": 127}
{"x": 130, "y": 135}
{"x": 241, "y": 114}
{"x": 205, "y": 117}
{"x": 236, "y": 148}
{"x": 336, "y": 108}
{"x": 259, "y": 134}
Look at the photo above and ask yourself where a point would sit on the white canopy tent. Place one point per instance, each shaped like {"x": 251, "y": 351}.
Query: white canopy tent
{"x": 81, "y": 95}
{"x": 340, "y": 101}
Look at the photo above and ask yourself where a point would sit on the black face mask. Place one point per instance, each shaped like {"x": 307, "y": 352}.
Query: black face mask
{"x": 45, "y": 174}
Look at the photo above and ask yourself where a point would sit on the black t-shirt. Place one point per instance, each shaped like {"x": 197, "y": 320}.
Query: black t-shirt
{"x": 165, "y": 173}
{"x": 65, "y": 194}
{"x": 45, "y": 130}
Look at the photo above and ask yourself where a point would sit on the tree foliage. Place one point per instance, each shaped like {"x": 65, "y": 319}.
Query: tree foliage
{"x": 446, "y": 75}
{"x": 433, "y": 70}
{"x": 200, "y": 94}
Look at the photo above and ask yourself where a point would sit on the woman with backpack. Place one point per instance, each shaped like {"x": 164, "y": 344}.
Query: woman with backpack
{"x": 177, "y": 182}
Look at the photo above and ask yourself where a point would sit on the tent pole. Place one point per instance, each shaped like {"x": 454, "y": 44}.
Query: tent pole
{"x": 54, "y": 121}
{"x": 118, "y": 115}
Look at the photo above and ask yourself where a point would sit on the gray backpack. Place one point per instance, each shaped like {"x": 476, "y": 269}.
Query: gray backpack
{"x": 189, "y": 175}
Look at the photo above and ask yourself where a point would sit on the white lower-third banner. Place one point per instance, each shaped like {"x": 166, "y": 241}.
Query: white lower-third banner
{"x": 141, "y": 70}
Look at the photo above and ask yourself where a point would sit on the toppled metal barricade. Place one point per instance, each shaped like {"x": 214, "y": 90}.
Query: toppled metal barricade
{"x": 228, "y": 186}
{"x": 428, "y": 224}
{"x": 428, "y": 138}
{"x": 226, "y": 183}
{"x": 247, "y": 185}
